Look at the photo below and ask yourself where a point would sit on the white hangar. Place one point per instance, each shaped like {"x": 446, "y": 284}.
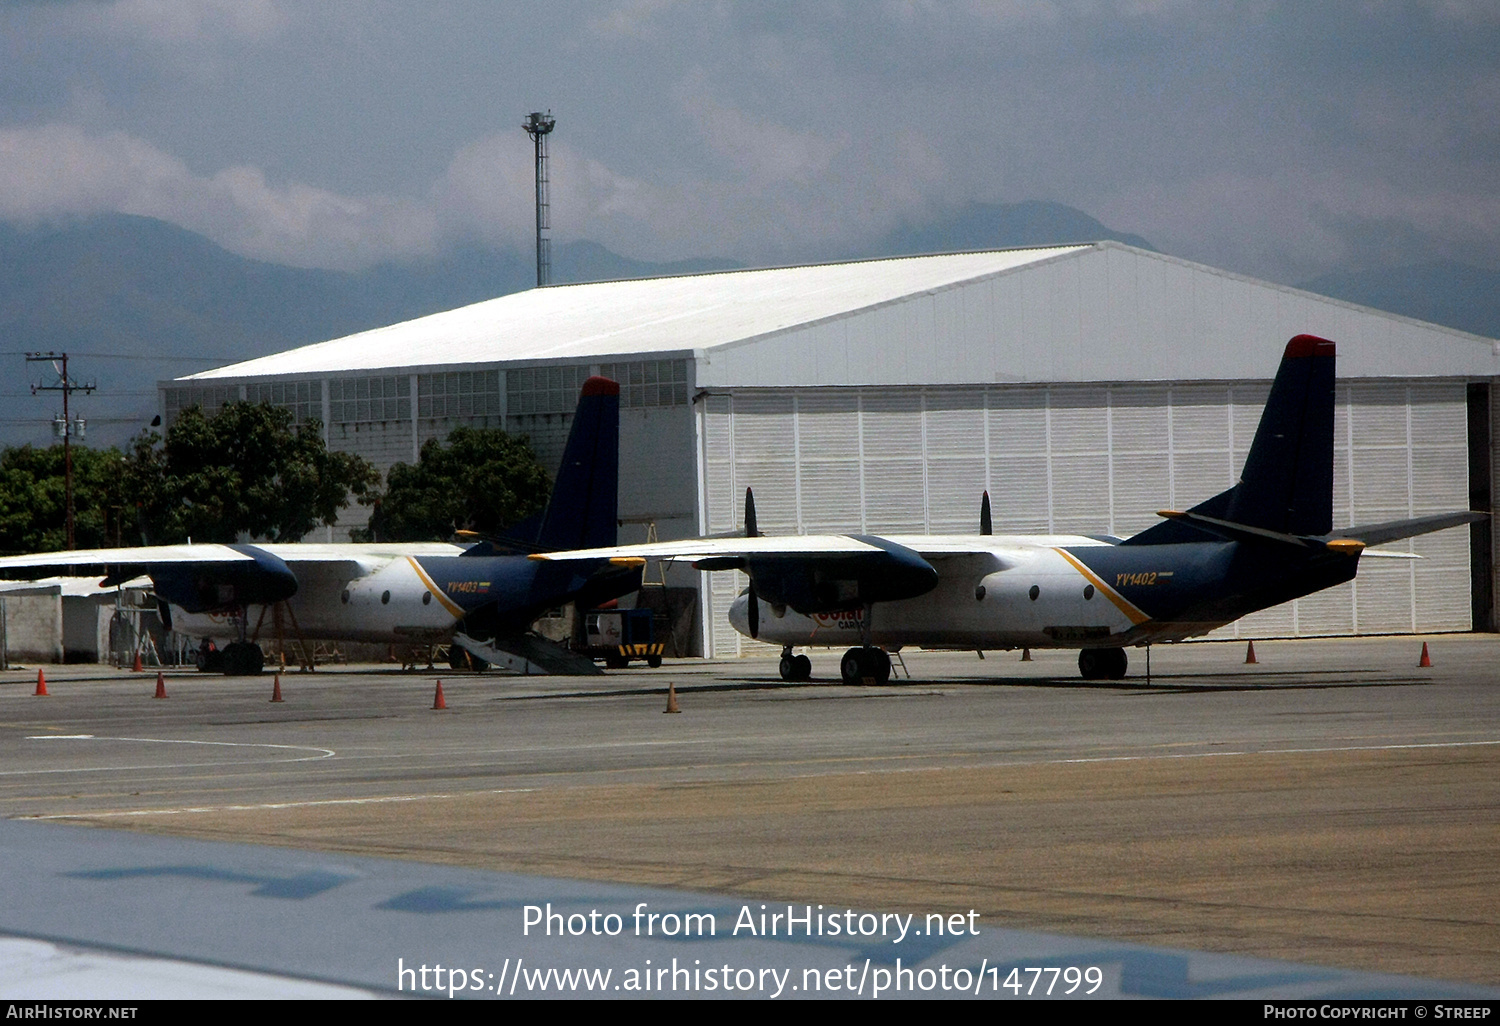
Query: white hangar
{"x": 1083, "y": 386}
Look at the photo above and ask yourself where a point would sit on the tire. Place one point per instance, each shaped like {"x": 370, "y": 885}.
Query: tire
{"x": 1088, "y": 664}
{"x": 654, "y": 661}
{"x": 1115, "y": 663}
{"x": 852, "y": 666}
{"x": 788, "y": 667}
{"x": 1102, "y": 663}
{"x": 243, "y": 659}
{"x": 803, "y": 668}
{"x": 882, "y": 660}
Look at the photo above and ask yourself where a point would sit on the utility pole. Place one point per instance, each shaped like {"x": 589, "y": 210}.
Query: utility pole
{"x": 538, "y": 126}
{"x": 67, "y": 386}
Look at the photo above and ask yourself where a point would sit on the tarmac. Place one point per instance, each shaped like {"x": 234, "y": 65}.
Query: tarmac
{"x": 1322, "y": 822}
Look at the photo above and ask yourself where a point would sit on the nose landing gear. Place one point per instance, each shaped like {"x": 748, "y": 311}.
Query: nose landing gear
{"x": 795, "y": 667}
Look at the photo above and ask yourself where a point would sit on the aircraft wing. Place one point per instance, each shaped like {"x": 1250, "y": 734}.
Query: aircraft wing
{"x": 203, "y": 577}
{"x": 144, "y": 555}
{"x": 819, "y": 573}
{"x": 702, "y": 550}
{"x": 317, "y": 551}
{"x": 999, "y": 551}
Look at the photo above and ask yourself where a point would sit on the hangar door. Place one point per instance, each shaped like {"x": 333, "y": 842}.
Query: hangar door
{"x": 1088, "y": 459}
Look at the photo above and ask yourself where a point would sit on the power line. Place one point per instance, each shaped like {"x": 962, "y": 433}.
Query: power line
{"x": 112, "y": 392}
{"x": 147, "y": 359}
{"x": 92, "y": 420}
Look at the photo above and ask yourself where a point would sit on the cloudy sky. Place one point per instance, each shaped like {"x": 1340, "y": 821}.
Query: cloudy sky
{"x": 1278, "y": 139}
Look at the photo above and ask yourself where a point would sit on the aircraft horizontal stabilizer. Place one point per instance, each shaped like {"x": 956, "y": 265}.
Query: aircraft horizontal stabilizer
{"x": 1232, "y": 531}
{"x": 1377, "y": 534}
{"x": 1347, "y": 542}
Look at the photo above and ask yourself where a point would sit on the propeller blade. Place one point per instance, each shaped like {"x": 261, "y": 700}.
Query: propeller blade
{"x": 985, "y": 525}
{"x": 754, "y": 612}
{"x": 751, "y": 530}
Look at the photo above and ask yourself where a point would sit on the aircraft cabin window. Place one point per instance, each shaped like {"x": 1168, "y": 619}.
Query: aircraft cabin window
{"x": 345, "y": 596}
{"x": 385, "y": 598}
{"x": 426, "y": 598}
{"x": 1035, "y": 591}
{"x": 1088, "y": 591}
{"x": 979, "y": 594}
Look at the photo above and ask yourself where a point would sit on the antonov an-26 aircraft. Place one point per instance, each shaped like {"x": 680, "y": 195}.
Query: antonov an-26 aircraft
{"x": 422, "y": 593}
{"x": 1267, "y": 540}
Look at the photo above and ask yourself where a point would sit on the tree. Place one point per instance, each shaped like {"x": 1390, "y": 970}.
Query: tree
{"x": 483, "y": 480}
{"x": 244, "y": 471}
{"x": 32, "y": 511}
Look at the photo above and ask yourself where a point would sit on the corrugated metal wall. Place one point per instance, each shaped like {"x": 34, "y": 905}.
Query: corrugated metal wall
{"x": 1089, "y": 459}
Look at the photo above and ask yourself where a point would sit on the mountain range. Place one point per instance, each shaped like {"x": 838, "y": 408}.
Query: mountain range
{"x": 135, "y": 300}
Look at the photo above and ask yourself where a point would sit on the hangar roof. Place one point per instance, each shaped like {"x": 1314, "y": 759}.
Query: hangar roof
{"x": 1092, "y": 312}
{"x": 635, "y": 317}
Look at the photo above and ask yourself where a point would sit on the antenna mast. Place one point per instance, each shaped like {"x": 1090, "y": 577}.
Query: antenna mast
{"x": 539, "y": 126}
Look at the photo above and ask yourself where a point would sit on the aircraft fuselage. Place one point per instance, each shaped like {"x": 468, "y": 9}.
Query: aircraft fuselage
{"x": 1063, "y": 592}
{"x": 409, "y": 599}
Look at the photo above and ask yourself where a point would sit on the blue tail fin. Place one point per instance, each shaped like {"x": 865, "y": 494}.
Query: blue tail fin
{"x": 1287, "y": 483}
{"x": 584, "y": 508}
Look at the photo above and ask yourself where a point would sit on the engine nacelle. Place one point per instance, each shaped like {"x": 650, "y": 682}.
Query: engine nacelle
{"x": 207, "y": 587}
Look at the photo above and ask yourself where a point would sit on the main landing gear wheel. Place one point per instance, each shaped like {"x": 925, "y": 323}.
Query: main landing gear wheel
{"x": 1102, "y": 663}
{"x": 860, "y": 663}
{"x": 243, "y": 659}
{"x": 209, "y": 659}
{"x": 795, "y": 667}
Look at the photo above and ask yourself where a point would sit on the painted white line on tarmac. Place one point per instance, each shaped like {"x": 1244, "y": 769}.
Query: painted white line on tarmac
{"x": 279, "y": 805}
{"x": 324, "y": 752}
{"x": 318, "y": 753}
{"x": 1274, "y": 751}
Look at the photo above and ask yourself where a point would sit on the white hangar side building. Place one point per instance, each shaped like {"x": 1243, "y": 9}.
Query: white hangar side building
{"x": 1083, "y": 386}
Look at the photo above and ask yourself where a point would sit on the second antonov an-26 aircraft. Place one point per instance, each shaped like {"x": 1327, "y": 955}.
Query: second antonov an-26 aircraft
{"x": 1267, "y": 540}
{"x": 420, "y": 594}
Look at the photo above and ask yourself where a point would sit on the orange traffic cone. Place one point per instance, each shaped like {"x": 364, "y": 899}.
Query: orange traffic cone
{"x": 1426, "y": 659}
{"x": 161, "y": 685}
{"x": 276, "y": 689}
{"x": 41, "y": 683}
{"x": 1025, "y": 655}
{"x": 137, "y": 667}
{"x": 437, "y": 699}
{"x": 671, "y": 699}
{"x": 1250, "y": 654}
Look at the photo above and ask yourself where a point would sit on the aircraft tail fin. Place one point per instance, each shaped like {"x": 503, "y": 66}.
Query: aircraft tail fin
{"x": 584, "y": 509}
{"x": 1287, "y": 483}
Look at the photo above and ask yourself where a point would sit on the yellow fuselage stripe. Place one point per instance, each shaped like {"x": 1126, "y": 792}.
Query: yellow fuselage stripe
{"x": 1123, "y": 604}
{"x": 456, "y": 610}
